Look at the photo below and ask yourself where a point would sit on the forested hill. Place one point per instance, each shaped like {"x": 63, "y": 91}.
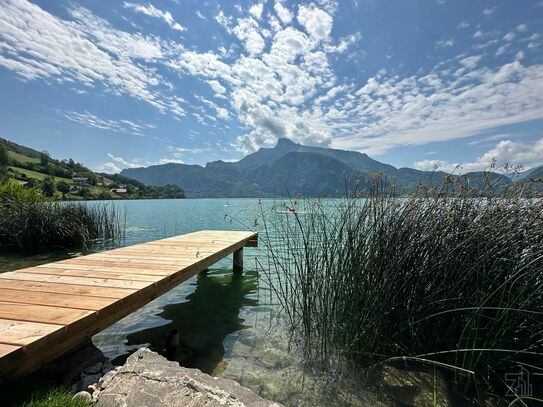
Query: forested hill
{"x": 66, "y": 179}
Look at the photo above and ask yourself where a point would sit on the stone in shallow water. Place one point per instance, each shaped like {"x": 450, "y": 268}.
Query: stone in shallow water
{"x": 412, "y": 387}
{"x": 148, "y": 379}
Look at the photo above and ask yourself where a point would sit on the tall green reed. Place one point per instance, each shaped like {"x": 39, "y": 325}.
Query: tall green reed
{"x": 28, "y": 222}
{"x": 449, "y": 276}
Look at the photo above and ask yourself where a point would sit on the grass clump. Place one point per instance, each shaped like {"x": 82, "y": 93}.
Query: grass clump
{"x": 448, "y": 277}
{"x": 55, "y": 398}
{"x": 30, "y": 223}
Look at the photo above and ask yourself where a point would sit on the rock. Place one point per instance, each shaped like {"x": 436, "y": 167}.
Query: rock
{"x": 85, "y": 381}
{"x": 76, "y": 369}
{"x": 148, "y": 379}
{"x": 412, "y": 387}
{"x": 84, "y": 395}
{"x": 108, "y": 377}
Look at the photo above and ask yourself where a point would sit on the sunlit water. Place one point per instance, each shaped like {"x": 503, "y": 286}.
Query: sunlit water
{"x": 229, "y": 325}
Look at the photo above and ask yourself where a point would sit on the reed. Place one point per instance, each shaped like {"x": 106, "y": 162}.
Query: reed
{"x": 446, "y": 277}
{"x": 30, "y": 223}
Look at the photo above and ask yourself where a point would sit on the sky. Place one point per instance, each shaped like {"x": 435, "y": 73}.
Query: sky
{"x": 412, "y": 83}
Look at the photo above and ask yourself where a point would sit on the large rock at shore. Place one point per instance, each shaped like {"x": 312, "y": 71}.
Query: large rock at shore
{"x": 148, "y": 379}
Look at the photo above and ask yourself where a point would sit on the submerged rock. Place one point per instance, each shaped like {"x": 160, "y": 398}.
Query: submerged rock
{"x": 148, "y": 379}
{"x": 412, "y": 387}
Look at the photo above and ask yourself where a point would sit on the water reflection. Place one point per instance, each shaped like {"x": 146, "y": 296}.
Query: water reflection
{"x": 203, "y": 322}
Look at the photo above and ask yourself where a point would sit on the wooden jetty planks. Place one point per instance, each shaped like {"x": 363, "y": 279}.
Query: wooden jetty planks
{"x": 49, "y": 309}
{"x": 85, "y": 302}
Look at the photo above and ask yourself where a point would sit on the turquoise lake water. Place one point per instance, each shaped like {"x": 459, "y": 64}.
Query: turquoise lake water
{"x": 229, "y": 325}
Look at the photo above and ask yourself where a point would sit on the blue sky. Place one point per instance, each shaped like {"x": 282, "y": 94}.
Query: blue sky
{"x": 415, "y": 83}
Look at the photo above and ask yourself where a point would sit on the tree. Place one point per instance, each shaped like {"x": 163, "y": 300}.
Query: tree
{"x": 63, "y": 187}
{"x": 4, "y": 158}
{"x": 48, "y": 186}
{"x": 44, "y": 158}
{"x": 172, "y": 191}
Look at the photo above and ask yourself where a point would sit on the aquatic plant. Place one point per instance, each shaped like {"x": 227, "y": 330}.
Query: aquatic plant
{"x": 29, "y": 222}
{"x": 449, "y": 277}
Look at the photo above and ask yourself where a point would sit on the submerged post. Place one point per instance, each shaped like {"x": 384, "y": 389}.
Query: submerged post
{"x": 238, "y": 260}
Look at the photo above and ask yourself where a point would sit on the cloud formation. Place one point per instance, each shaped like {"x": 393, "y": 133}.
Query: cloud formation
{"x": 152, "y": 11}
{"x": 87, "y": 50}
{"x": 118, "y": 126}
{"x": 505, "y": 152}
{"x": 274, "y": 75}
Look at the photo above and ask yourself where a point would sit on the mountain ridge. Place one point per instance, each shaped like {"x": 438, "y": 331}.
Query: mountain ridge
{"x": 290, "y": 168}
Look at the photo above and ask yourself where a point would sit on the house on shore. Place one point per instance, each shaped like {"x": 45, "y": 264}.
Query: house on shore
{"x": 81, "y": 181}
{"x": 118, "y": 191}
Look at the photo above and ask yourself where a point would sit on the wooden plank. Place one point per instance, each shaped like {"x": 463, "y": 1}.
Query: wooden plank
{"x": 49, "y": 278}
{"x": 114, "y": 263}
{"x": 7, "y": 349}
{"x": 23, "y": 333}
{"x": 41, "y": 313}
{"x": 82, "y": 290}
{"x": 148, "y": 260}
{"x": 57, "y": 300}
{"x": 128, "y": 275}
{"x": 113, "y": 268}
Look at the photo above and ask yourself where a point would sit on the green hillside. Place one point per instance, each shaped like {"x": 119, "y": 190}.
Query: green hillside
{"x": 66, "y": 179}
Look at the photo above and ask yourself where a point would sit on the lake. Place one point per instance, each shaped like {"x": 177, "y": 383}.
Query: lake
{"x": 229, "y": 325}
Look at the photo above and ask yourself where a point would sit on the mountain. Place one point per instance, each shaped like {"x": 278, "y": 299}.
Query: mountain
{"x": 290, "y": 169}
{"x": 536, "y": 172}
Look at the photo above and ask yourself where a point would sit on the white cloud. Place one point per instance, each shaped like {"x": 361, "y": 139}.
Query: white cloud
{"x": 445, "y": 43}
{"x": 177, "y": 151}
{"x": 200, "y": 15}
{"x": 152, "y": 11}
{"x": 282, "y": 12}
{"x": 400, "y": 111}
{"x": 170, "y": 161}
{"x": 118, "y": 126}
{"x": 247, "y": 30}
{"x": 256, "y": 10}
{"x": 224, "y": 20}
{"x": 217, "y": 87}
{"x": 109, "y": 168}
{"x": 489, "y": 11}
{"x": 462, "y": 25}
{"x": 344, "y": 43}
{"x": 471, "y": 62}
{"x": 522, "y": 28}
{"x": 510, "y": 36}
{"x": 502, "y": 49}
{"x": 316, "y": 22}
{"x": 117, "y": 164}
{"x": 37, "y": 45}
{"x": 505, "y": 152}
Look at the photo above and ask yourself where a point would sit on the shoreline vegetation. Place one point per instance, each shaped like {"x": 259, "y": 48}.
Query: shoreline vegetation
{"x": 29, "y": 222}
{"x": 448, "y": 280}
{"x": 66, "y": 180}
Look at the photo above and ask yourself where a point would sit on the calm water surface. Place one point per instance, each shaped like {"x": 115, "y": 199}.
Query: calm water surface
{"x": 229, "y": 325}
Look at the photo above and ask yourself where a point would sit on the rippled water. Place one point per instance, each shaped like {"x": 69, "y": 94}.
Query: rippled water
{"x": 229, "y": 325}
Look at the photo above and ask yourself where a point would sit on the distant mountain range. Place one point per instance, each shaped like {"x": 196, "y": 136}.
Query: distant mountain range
{"x": 290, "y": 169}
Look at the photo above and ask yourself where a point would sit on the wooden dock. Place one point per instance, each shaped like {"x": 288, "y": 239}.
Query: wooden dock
{"x": 49, "y": 309}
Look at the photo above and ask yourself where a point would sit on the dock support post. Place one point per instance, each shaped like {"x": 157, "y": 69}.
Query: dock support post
{"x": 238, "y": 260}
